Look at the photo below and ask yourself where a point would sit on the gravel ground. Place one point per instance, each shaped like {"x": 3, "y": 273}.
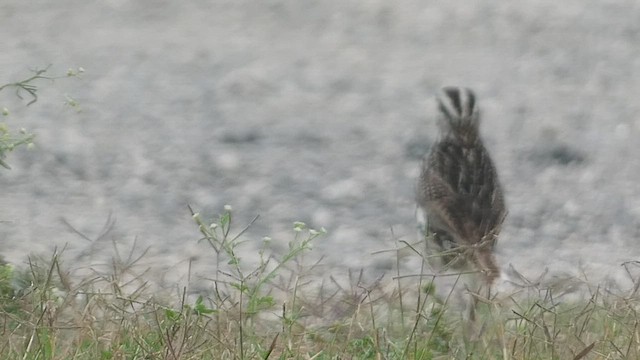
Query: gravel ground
{"x": 320, "y": 112}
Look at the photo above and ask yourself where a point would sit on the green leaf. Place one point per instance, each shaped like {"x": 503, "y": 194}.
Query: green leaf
{"x": 172, "y": 314}
{"x": 201, "y": 308}
{"x": 224, "y": 219}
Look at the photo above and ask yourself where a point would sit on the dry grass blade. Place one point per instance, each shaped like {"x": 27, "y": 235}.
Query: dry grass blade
{"x": 272, "y": 347}
{"x": 584, "y": 351}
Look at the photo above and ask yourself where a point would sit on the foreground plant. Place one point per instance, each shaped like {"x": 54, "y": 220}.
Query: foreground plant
{"x": 11, "y": 139}
{"x": 244, "y": 290}
{"x": 274, "y": 310}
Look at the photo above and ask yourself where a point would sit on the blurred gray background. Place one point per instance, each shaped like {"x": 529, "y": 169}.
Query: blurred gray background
{"x": 319, "y": 112}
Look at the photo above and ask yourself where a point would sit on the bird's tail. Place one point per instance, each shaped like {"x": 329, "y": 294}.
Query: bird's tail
{"x": 458, "y": 114}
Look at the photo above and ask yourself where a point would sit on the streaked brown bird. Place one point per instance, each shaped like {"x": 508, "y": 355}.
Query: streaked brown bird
{"x": 460, "y": 202}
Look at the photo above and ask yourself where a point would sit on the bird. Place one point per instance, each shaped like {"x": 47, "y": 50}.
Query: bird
{"x": 460, "y": 203}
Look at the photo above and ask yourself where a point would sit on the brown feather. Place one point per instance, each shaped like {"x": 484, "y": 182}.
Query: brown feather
{"x": 458, "y": 188}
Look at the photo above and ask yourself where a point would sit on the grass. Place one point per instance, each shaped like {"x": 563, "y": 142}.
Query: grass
{"x": 278, "y": 309}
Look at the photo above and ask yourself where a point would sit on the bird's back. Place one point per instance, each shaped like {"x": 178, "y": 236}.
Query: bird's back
{"x": 458, "y": 189}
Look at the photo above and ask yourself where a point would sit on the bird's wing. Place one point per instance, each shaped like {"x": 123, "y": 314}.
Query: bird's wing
{"x": 447, "y": 209}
